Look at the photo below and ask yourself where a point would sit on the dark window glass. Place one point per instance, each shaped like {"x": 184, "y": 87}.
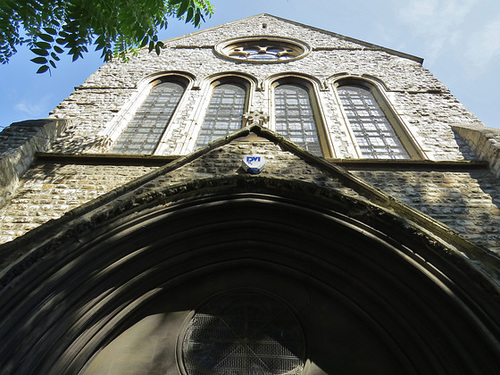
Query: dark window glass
{"x": 374, "y": 133}
{"x": 244, "y": 333}
{"x": 295, "y": 117}
{"x": 224, "y": 114}
{"x": 149, "y": 123}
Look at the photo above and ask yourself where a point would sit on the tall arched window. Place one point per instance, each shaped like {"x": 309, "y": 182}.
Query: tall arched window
{"x": 295, "y": 118}
{"x": 144, "y": 132}
{"x": 224, "y": 113}
{"x": 374, "y": 133}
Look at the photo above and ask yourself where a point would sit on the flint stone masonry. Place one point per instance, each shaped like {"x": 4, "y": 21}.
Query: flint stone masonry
{"x": 426, "y": 108}
{"x": 18, "y": 144}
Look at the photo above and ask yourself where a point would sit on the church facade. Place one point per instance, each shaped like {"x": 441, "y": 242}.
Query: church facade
{"x": 263, "y": 197}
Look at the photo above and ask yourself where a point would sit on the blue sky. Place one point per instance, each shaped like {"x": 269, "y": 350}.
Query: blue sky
{"x": 458, "y": 39}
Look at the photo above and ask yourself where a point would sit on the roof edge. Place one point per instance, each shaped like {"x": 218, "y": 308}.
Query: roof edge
{"x": 350, "y": 39}
{"x": 391, "y": 51}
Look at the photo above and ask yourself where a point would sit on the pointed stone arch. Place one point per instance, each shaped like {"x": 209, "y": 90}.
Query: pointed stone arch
{"x": 386, "y": 295}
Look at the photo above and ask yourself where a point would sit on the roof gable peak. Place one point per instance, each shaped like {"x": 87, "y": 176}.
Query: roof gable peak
{"x": 269, "y": 17}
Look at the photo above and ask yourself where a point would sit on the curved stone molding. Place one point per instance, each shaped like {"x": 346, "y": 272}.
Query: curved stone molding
{"x": 95, "y": 280}
{"x": 263, "y": 49}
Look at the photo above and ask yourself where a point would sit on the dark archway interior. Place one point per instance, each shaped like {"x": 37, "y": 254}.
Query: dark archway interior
{"x": 118, "y": 300}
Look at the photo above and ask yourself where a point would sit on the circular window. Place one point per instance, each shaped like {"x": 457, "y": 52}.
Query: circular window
{"x": 262, "y": 50}
{"x": 243, "y": 333}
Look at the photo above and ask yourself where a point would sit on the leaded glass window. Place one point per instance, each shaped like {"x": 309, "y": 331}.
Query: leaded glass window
{"x": 263, "y": 53}
{"x": 244, "y": 333}
{"x": 295, "y": 117}
{"x": 374, "y": 133}
{"x": 144, "y": 132}
{"x": 262, "y": 50}
{"x": 224, "y": 113}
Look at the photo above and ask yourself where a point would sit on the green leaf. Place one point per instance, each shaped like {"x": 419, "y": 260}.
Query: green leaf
{"x": 37, "y": 6}
{"x": 108, "y": 55}
{"x": 40, "y": 52}
{"x": 42, "y": 45}
{"x": 46, "y": 37}
{"x": 189, "y": 15}
{"x": 53, "y": 64}
{"x": 43, "y": 69}
{"x": 39, "y": 60}
{"x": 53, "y": 27}
{"x": 182, "y": 8}
{"x": 50, "y": 30}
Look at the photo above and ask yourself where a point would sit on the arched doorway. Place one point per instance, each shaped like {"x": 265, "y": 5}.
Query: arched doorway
{"x": 124, "y": 295}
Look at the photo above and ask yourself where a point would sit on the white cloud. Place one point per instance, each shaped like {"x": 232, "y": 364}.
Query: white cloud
{"x": 434, "y": 16}
{"x": 439, "y": 22}
{"x": 467, "y": 31}
{"x": 32, "y": 108}
{"x": 483, "y": 45}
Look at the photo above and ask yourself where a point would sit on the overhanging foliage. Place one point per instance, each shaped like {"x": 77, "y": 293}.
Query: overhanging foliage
{"x": 115, "y": 27}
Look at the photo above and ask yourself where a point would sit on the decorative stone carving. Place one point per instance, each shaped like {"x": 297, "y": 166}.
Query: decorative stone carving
{"x": 255, "y": 118}
{"x": 102, "y": 143}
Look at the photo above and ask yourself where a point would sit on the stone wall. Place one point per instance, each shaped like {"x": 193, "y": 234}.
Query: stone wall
{"x": 48, "y": 190}
{"x": 485, "y": 142}
{"x": 436, "y": 220}
{"x": 18, "y": 145}
{"x": 423, "y": 104}
{"x": 467, "y": 201}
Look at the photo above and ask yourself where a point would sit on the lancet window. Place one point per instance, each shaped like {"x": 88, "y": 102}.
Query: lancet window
{"x": 224, "y": 113}
{"x": 145, "y": 130}
{"x": 374, "y": 133}
{"x": 295, "y": 118}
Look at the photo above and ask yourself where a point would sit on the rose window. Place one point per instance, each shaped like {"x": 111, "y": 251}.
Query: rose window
{"x": 262, "y": 50}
